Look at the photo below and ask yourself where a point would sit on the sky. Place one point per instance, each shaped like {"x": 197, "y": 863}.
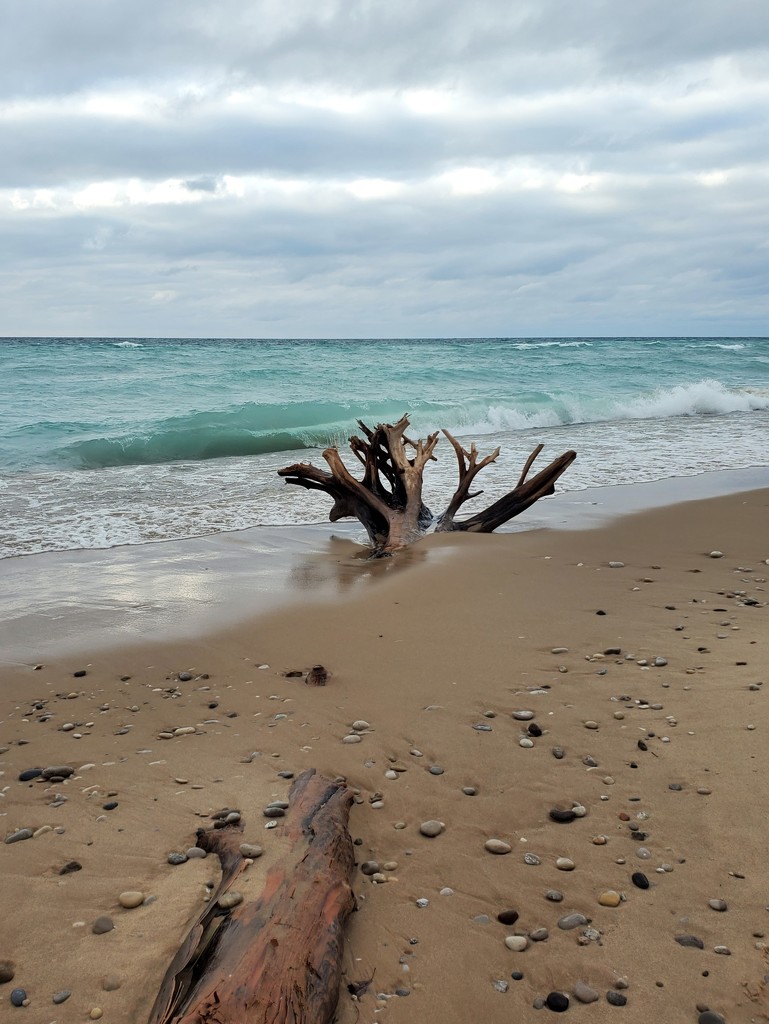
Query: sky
{"x": 384, "y": 168}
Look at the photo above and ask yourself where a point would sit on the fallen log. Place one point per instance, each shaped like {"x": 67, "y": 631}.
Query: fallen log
{"x": 277, "y": 959}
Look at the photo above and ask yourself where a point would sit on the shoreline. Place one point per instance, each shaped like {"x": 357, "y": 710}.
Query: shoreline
{"x": 87, "y": 598}
{"x": 648, "y": 678}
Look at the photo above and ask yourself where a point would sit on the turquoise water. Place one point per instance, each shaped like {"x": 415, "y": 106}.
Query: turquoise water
{"x": 106, "y": 442}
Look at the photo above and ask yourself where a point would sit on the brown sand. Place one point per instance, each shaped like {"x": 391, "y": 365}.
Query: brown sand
{"x": 423, "y": 655}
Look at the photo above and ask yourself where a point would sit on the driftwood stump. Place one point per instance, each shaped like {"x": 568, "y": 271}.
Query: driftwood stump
{"x": 275, "y": 960}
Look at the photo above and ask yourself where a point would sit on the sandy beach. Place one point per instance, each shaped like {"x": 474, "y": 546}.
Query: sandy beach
{"x": 639, "y": 650}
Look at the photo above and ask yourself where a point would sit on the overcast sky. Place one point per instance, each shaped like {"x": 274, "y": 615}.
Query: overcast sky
{"x": 384, "y": 168}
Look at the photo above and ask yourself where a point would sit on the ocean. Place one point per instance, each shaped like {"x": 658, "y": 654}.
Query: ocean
{"x": 107, "y": 442}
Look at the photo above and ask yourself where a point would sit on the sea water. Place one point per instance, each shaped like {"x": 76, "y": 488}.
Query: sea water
{"x": 106, "y": 442}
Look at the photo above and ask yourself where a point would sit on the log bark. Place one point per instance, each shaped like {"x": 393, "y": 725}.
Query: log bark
{"x": 388, "y": 499}
{"x": 275, "y": 960}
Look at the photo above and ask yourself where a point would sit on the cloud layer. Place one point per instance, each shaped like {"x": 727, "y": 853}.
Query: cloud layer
{"x": 284, "y": 169}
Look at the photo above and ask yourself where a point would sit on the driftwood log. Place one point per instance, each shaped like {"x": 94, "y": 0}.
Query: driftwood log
{"x": 388, "y": 498}
{"x": 275, "y": 960}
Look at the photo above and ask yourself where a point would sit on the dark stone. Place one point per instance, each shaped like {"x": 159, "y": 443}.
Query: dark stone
{"x": 710, "y": 1017}
{"x": 507, "y": 916}
{"x": 403, "y": 992}
{"x": 517, "y": 975}
{"x": 642, "y": 745}
{"x": 61, "y": 997}
{"x": 18, "y": 996}
{"x": 70, "y": 866}
{"x": 102, "y": 925}
{"x": 109, "y": 806}
{"x": 691, "y": 941}
{"x": 285, "y": 775}
{"x": 274, "y": 812}
{"x": 7, "y": 971}
{"x": 676, "y": 787}
{"x": 613, "y": 650}
{"x": 557, "y": 1002}
{"x": 18, "y": 836}
{"x": 639, "y": 880}
{"x": 184, "y": 677}
{"x": 30, "y": 773}
{"x": 558, "y": 753}
{"x": 534, "y": 729}
{"x": 615, "y": 998}
{"x": 562, "y": 816}
{"x": 177, "y": 858}
{"x": 62, "y": 771}
{"x": 640, "y": 836}
{"x": 435, "y": 769}
{"x": 600, "y": 612}
{"x": 80, "y": 673}
{"x": 294, "y": 674}
{"x": 213, "y": 704}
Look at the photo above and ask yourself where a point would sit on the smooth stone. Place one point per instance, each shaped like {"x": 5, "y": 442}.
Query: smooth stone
{"x": 615, "y": 998}
{"x": 497, "y": 846}
{"x": 482, "y": 919}
{"x": 610, "y": 898}
{"x": 559, "y": 650}
{"x": 639, "y": 880}
{"x": 558, "y": 753}
{"x": 43, "y": 830}
{"x": 61, "y": 997}
{"x": 554, "y": 895}
{"x": 517, "y": 975}
{"x": 29, "y": 774}
{"x": 570, "y": 921}
{"x": 370, "y": 867}
{"x": 230, "y": 899}
{"x": 195, "y": 853}
{"x": 109, "y": 806}
{"x": 177, "y": 858}
{"x": 58, "y": 771}
{"x": 616, "y": 565}
{"x": 722, "y": 950}
{"x": 18, "y": 836}
{"x": 539, "y": 935}
{"x": 558, "y": 1002}
{"x": 562, "y": 816}
{"x": 716, "y": 554}
{"x": 250, "y": 850}
{"x": 524, "y": 741}
{"x": 482, "y": 727}
{"x": 130, "y": 900}
{"x": 531, "y": 859}
{"x": 96, "y": 1013}
{"x": 360, "y": 725}
{"x": 469, "y": 790}
{"x": 690, "y": 941}
{"x": 111, "y": 982}
{"x": 431, "y": 828}
{"x": 435, "y": 769}
{"x": 352, "y": 738}
{"x": 719, "y": 905}
{"x": 584, "y": 993}
{"x": 18, "y": 997}
{"x": 184, "y": 730}
{"x": 517, "y": 943}
{"x": 501, "y": 986}
{"x": 102, "y": 925}
{"x": 507, "y": 916}
{"x": 523, "y": 716}
{"x": 533, "y": 729}
{"x": 446, "y": 891}
{"x": 565, "y": 864}
{"x": 591, "y": 725}
{"x": 422, "y": 902}
{"x": 7, "y": 971}
{"x": 269, "y": 812}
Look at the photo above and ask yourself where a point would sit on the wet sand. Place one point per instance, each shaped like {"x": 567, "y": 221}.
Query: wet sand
{"x": 667, "y": 736}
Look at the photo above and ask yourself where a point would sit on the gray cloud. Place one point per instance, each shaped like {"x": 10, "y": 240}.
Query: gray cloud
{"x": 295, "y": 169}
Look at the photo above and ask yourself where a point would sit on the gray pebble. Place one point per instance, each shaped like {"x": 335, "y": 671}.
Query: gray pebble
{"x": 177, "y": 858}
{"x": 61, "y": 997}
{"x": 22, "y": 833}
{"x": 531, "y": 859}
{"x": 583, "y": 993}
{"x": 270, "y": 812}
{"x": 482, "y": 919}
{"x": 501, "y": 986}
{"x": 523, "y": 716}
{"x": 253, "y": 851}
{"x": 717, "y": 905}
{"x": 558, "y": 753}
{"x": 539, "y": 935}
{"x": 229, "y": 899}
{"x": 102, "y": 925}
{"x": 469, "y": 790}
{"x": 554, "y": 895}
{"x": 691, "y": 941}
{"x": 431, "y": 828}
{"x": 710, "y": 1017}
{"x": 482, "y": 727}
{"x": 570, "y": 921}
{"x": 435, "y": 769}
{"x": 194, "y": 852}
{"x": 370, "y": 867}
{"x": 18, "y": 997}
{"x": 615, "y": 998}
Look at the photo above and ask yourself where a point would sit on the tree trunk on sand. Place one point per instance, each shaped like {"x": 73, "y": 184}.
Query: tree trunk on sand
{"x": 276, "y": 960}
{"x": 388, "y": 498}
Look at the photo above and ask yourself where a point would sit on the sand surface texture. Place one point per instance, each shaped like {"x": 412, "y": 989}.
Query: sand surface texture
{"x": 646, "y": 685}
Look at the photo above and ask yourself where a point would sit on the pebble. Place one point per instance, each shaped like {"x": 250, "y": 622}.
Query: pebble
{"x": 560, "y": 650}
{"x": 570, "y": 921}
{"x": 177, "y": 858}
{"x": 352, "y": 738}
{"x": 610, "y": 898}
{"x": 184, "y": 730}
{"x": 18, "y": 997}
{"x": 18, "y": 836}
{"x": 111, "y": 982}
{"x": 469, "y": 790}
{"x": 584, "y": 993}
{"x": 230, "y": 899}
{"x": 507, "y": 916}
{"x": 558, "y": 753}
{"x": 360, "y": 725}
{"x": 591, "y": 725}
{"x": 434, "y": 828}
{"x": 690, "y": 941}
{"x": 615, "y": 998}
{"x": 7, "y": 971}
{"x": 558, "y": 1002}
{"x": 497, "y": 846}
{"x": 539, "y": 935}
{"x": 716, "y": 554}
{"x": 554, "y": 895}
{"x": 517, "y": 943}
{"x": 639, "y": 880}
{"x": 565, "y": 864}
{"x": 96, "y": 1013}
{"x": 531, "y": 859}
{"x": 723, "y": 950}
{"x": 501, "y": 986}
{"x": 29, "y": 774}
{"x": 195, "y": 853}
{"x": 717, "y": 905}
{"x": 523, "y": 716}
{"x": 102, "y": 925}
{"x": 251, "y": 850}
{"x": 435, "y": 769}
{"x": 524, "y": 741}
{"x": 562, "y": 816}
{"x": 422, "y": 902}
{"x": 268, "y": 812}
{"x": 616, "y": 565}
{"x": 131, "y": 899}
{"x": 61, "y": 997}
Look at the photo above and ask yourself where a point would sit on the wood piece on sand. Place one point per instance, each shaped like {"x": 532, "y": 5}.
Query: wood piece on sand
{"x": 278, "y": 958}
